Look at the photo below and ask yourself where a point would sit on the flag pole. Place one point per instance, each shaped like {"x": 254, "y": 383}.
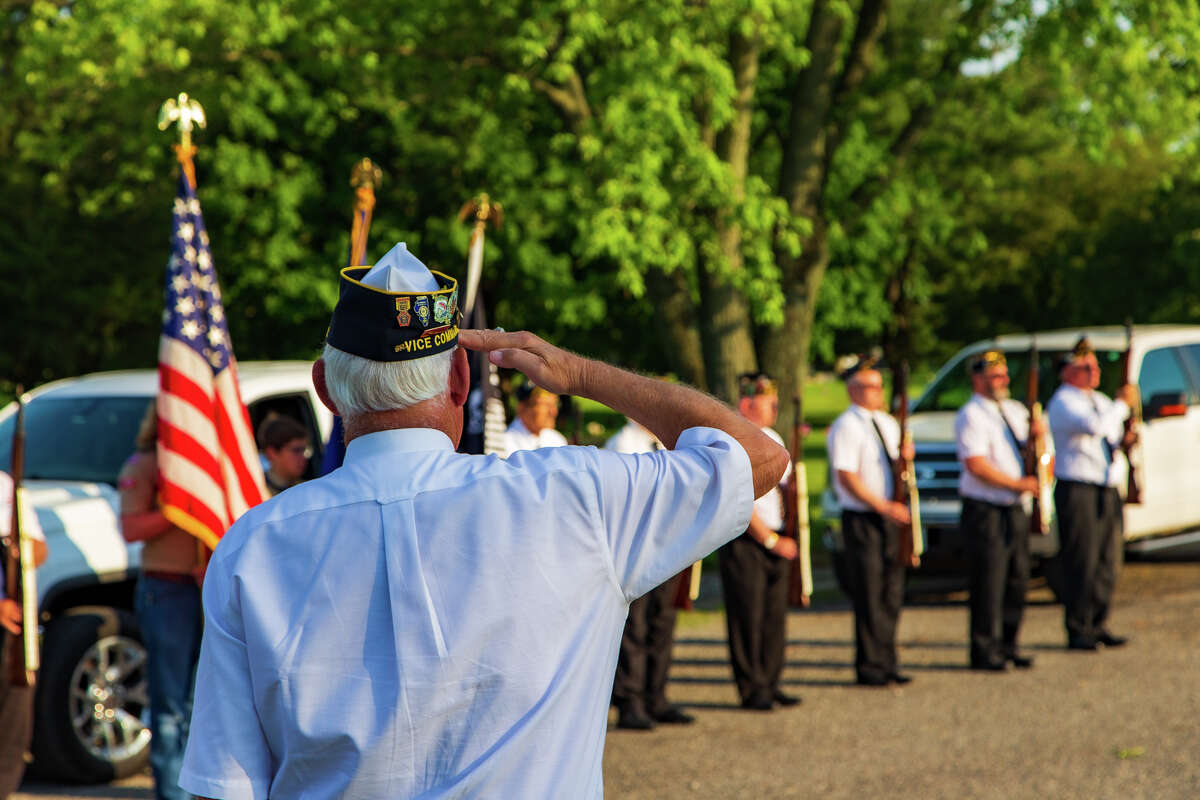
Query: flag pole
{"x": 185, "y": 113}
{"x": 483, "y": 209}
{"x": 364, "y": 178}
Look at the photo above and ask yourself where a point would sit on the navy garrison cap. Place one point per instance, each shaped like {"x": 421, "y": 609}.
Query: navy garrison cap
{"x": 377, "y": 317}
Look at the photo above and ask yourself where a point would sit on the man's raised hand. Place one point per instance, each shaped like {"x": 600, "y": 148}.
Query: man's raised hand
{"x": 551, "y": 368}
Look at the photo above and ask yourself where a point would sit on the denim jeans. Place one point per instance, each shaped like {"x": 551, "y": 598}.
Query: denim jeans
{"x": 171, "y": 620}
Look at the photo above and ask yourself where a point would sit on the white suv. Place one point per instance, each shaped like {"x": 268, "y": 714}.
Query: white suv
{"x": 90, "y": 717}
{"x": 1166, "y": 362}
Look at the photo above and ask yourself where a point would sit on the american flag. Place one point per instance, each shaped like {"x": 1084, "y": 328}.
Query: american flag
{"x": 209, "y": 472}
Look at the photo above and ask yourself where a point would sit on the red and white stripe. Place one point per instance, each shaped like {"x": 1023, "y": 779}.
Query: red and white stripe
{"x": 208, "y": 465}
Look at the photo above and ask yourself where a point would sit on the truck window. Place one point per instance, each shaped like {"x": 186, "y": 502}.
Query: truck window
{"x": 299, "y": 408}
{"x": 954, "y": 389}
{"x": 1163, "y": 373}
{"x": 75, "y": 438}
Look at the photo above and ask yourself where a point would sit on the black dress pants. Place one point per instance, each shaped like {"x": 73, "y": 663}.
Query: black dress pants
{"x": 876, "y": 581}
{"x": 16, "y": 726}
{"x": 1089, "y": 528}
{"x": 998, "y": 543}
{"x": 640, "y": 685}
{"x": 754, "y": 582}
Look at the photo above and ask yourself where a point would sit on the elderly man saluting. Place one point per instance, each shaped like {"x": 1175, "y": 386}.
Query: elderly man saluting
{"x": 422, "y": 622}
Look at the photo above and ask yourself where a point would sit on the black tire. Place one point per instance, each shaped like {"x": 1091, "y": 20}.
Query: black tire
{"x": 92, "y": 658}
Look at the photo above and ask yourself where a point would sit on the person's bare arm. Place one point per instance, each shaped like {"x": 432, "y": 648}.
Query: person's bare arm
{"x": 783, "y": 547}
{"x": 982, "y": 468}
{"x": 665, "y": 409}
{"x": 854, "y": 484}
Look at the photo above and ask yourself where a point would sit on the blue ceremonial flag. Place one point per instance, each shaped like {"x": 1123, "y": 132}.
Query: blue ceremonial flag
{"x": 209, "y": 472}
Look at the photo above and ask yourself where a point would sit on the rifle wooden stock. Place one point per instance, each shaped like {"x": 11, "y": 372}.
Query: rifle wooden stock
{"x": 795, "y": 518}
{"x": 904, "y": 477}
{"x": 1037, "y": 460}
{"x": 1131, "y": 442}
{"x": 688, "y": 588}
{"x": 22, "y": 656}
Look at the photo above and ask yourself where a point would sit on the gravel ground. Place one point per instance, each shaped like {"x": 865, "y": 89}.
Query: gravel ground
{"x": 1121, "y": 723}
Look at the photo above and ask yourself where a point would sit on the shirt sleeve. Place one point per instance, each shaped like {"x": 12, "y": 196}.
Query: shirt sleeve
{"x": 661, "y": 511}
{"x": 844, "y": 453}
{"x": 227, "y": 752}
{"x": 971, "y": 436}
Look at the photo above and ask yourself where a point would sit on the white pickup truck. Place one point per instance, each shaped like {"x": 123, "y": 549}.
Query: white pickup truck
{"x": 1166, "y": 362}
{"x": 90, "y": 713}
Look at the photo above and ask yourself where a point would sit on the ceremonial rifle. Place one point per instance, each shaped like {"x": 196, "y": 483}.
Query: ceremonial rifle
{"x": 484, "y": 432}
{"x": 20, "y": 579}
{"x": 795, "y": 523}
{"x": 1037, "y": 460}
{"x": 904, "y": 479}
{"x": 1131, "y": 440}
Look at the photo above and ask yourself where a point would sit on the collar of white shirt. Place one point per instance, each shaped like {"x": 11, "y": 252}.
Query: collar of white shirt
{"x": 412, "y": 440}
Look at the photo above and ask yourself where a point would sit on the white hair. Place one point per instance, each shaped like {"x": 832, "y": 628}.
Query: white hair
{"x": 358, "y": 385}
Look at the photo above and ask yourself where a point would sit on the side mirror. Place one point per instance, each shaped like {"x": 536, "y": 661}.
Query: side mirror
{"x": 1165, "y": 404}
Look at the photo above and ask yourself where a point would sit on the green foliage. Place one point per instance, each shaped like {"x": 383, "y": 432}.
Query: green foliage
{"x": 1061, "y": 182}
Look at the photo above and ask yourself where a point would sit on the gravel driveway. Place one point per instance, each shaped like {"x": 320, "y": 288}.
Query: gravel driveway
{"x": 1121, "y": 723}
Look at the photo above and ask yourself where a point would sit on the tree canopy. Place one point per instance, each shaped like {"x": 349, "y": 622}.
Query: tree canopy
{"x": 705, "y": 188}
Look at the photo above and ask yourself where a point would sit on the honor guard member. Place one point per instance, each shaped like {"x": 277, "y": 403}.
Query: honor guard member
{"x": 640, "y": 686}
{"x": 990, "y": 431}
{"x": 533, "y": 427}
{"x": 754, "y": 573}
{"x": 862, "y": 443}
{"x": 422, "y": 622}
{"x": 1087, "y": 427}
{"x": 16, "y": 702}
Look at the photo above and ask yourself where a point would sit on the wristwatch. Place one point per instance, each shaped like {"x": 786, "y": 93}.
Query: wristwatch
{"x": 771, "y": 540}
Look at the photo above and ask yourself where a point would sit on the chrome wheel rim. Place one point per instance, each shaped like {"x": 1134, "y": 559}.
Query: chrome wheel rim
{"x": 108, "y": 698}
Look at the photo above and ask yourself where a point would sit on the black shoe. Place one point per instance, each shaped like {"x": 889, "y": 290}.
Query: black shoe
{"x": 899, "y": 678}
{"x": 634, "y": 721}
{"x": 1021, "y": 662}
{"x": 758, "y": 704}
{"x": 1108, "y": 640}
{"x": 786, "y": 700}
{"x": 990, "y": 666}
{"x": 1082, "y": 643}
{"x": 674, "y": 715}
{"x": 871, "y": 680}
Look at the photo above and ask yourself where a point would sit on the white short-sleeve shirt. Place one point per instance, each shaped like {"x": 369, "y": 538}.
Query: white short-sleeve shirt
{"x": 518, "y": 437}
{"x": 633, "y": 438}
{"x": 425, "y": 623}
{"x": 854, "y": 446}
{"x": 979, "y": 430}
{"x": 769, "y": 507}
{"x": 1081, "y": 421}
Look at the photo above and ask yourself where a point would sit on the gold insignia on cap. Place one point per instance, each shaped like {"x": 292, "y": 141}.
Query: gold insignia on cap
{"x": 1082, "y": 348}
{"x": 988, "y": 359}
{"x": 751, "y": 385}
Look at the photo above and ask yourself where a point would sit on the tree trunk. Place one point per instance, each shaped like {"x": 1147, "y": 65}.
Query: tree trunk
{"x": 728, "y": 334}
{"x": 681, "y": 330}
{"x": 787, "y": 352}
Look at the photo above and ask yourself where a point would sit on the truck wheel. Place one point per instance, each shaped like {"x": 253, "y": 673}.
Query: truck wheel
{"x": 91, "y": 695}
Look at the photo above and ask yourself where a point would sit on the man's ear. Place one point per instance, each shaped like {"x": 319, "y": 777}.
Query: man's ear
{"x": 319, "y": 384}
{"x": 460, "y": 377}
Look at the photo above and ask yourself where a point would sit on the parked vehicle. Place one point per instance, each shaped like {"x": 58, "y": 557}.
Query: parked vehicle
{"x": 1166, "y": 361}
{"x": 91, "y": 701}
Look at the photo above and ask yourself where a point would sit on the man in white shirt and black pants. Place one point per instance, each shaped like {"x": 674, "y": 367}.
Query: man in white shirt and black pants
{"x": 862, "y": 443}
{"x": 990, "y": 431}
{"x": 1088, "y": 428}
{"x": 754, "y": 573}
{"x": 640, "y": 685}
